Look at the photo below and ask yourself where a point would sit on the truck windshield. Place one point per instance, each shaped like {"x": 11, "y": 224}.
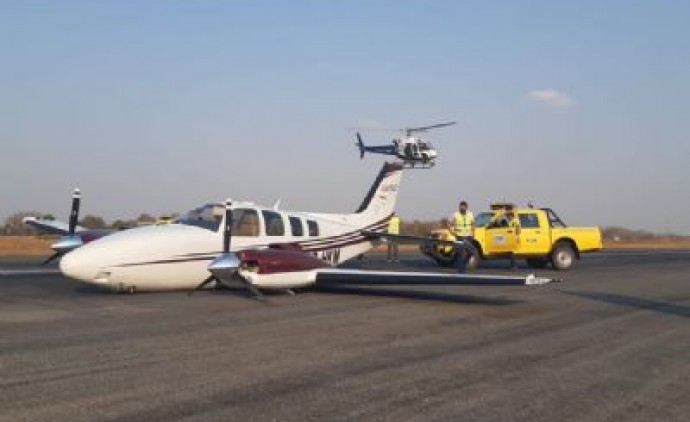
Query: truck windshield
{"x": 554, "y": 219}
{"x": 482, "y": 219}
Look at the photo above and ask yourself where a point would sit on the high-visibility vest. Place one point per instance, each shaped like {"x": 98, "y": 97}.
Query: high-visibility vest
{"x": 462, "y": 223}
{"x": 394, "y": 225}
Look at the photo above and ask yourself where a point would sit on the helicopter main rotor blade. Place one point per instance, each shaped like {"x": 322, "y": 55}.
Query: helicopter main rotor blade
{"x": 412, "y": 130}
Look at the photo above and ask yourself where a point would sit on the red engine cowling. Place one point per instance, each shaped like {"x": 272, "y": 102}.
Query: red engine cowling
{"x": 271, "y": 261}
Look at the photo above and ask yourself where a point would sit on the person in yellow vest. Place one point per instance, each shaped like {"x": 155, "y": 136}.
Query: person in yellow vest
{"x": 463, "y": 221}
{"x": 393, "y": 228}
{"x": 463, "y": 228}
{"x": 513, "y": 223}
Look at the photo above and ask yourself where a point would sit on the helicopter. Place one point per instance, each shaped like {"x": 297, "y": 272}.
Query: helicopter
{"x": 412, "y": 150}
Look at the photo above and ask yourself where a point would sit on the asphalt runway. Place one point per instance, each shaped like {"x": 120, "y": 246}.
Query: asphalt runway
{"x": 610, "y": 343}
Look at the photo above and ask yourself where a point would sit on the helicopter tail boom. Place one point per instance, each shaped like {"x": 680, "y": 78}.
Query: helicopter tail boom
{"x": 375, "y": 149}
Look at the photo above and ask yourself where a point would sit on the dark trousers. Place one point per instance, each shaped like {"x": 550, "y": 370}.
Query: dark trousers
{"x": 464, "y": 252}
{"x": 392, "y": 250}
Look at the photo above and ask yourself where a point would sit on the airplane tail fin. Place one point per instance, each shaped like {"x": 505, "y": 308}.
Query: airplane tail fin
{"x": 379, "y": 203}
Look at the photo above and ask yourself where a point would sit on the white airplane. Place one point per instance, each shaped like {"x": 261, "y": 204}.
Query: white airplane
{"x": 270, "y": 250}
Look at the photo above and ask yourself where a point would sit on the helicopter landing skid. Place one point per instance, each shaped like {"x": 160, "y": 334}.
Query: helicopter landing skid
{"x": 418, "y": 165}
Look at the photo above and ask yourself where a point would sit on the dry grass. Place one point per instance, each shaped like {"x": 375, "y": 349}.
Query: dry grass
{"x": 25, "y": 245}
{"x": 40, "y": 245}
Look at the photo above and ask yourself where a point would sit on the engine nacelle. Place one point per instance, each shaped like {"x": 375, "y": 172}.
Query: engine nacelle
{"x": 279, "y": 269}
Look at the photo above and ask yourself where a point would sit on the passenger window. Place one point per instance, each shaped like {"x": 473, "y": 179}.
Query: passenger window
{"x": 273, "y": 222}
{"x": 313, "y": 228}
{"x": 500, "y": 221}
{"x": 529, "y": 221}
{"x": 296, "y": 226}
{"x": 245, "y": 223}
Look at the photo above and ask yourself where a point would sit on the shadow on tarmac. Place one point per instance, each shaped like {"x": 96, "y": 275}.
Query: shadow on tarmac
{"x": 635, "y": 302}
{"x": 414, "y": 294}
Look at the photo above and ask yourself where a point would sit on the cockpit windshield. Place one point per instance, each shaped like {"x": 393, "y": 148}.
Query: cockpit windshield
{"x": 208, "y": 217}
{"x": 425, "y": 146}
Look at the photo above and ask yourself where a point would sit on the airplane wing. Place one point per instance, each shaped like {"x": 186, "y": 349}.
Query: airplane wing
{"x": 367, "y": 277}
{"x": 50, "y": 226}
{"x": 345, "y": 276}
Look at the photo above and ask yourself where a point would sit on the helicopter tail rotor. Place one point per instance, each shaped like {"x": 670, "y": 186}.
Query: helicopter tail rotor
{"x": 360, "y": 145}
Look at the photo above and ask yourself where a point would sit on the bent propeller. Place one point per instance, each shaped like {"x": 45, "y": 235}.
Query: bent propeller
{"x": 70, "y": 241}
{"x": 225, "y": 267}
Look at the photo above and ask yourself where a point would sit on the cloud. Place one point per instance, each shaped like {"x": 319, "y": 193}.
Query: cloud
{"x": 551, "y": 98}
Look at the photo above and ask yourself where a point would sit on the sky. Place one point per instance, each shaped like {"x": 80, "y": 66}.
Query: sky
{"x": 159, "y": 106}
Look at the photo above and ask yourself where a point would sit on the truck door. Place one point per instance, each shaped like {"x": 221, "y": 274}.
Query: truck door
{"x": 500, "y": 238}
{"x": 534, "y": 238}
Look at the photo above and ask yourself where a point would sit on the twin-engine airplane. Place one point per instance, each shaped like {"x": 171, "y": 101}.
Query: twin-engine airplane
{"x": 262, "y": 249}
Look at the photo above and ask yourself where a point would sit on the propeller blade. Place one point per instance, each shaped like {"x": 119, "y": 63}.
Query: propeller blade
{"x": 51, "y": 258}
{"x": 74, "y": 213}
{"x": 227, "y": 229}
{"x": 224, "y": 267}
{"x": 203, "y": 284}
{"x": 254, "y": 291}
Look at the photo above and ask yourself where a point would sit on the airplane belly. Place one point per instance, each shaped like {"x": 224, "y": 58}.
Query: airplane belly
{"x": 156, "y": 277}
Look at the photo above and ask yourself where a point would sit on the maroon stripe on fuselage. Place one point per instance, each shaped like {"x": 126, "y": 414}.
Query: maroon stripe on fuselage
{"x": 311, "y": 242}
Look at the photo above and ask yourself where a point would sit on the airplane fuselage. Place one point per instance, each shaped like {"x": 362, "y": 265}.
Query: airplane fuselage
{"x": 177, "y": 256}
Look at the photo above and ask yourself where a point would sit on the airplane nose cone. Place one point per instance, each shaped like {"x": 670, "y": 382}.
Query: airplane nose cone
{"x": 76, "y": 265}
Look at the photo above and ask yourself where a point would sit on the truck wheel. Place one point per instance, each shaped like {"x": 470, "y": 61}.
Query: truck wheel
{"x": 537, "y": 263}
{"x": 563, "y": 256}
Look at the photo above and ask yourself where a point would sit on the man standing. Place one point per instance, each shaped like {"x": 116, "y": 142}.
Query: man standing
{"x": 463, "y": 229}
{"x": 393, "y": 228}
{"x": 514, "y": 224}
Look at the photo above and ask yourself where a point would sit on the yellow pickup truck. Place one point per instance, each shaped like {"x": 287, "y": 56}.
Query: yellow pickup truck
{"x": 542, "y": 239}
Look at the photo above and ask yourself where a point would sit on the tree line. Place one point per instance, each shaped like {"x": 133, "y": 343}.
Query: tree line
{"x": 14, "y": 224}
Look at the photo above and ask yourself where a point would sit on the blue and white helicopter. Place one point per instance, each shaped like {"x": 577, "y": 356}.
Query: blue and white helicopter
{"x": 414, "y": 151}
